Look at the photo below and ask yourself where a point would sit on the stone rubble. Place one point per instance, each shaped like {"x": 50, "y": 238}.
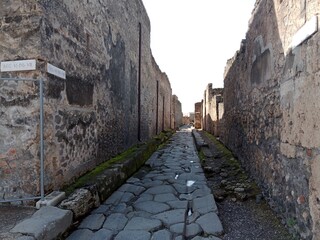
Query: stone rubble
{"x": 171, "y": 201}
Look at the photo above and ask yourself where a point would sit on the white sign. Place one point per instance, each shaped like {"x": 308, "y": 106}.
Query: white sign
{"x": 20, "y": 65}
{"x": 305, "y": 32}
{"x": 56, "y": 71}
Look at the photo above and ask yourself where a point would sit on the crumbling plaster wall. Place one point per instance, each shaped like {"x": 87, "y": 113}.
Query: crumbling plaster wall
{"x": 271, "y": 114}
{"x": 104, "y": 46}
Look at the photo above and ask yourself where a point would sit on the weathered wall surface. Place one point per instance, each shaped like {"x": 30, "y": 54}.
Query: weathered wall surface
{"x": 177, "y": 112}
{"x": 212, "y": 109}
{"x": 163, "y": 100}
{"x": 198, "y": 115}
{"x": 106, "y": 104}
{"x": 271, "y": 98}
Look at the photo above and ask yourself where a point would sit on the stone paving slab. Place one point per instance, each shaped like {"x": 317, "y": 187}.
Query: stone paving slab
{"x": 170, "y": 201}
{"x": 93, "y": 222}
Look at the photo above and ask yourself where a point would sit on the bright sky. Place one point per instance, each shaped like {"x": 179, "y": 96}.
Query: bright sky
{"x": 191, "y": 40}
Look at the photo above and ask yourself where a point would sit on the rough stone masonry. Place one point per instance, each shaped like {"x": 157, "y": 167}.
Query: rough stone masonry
{"x": 113, "y": 97}
{"x": 271, "y": 117}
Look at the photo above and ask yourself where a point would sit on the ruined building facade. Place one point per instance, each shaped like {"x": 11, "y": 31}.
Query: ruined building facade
{"x": 212, "y": 110}
{"x": 198, "y": 115}
{"x": 114, "y": 95}
{"x": 271, "y": 117}
{"x": 177, "y": 112}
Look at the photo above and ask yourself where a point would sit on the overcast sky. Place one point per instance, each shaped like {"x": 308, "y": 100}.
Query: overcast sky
{"x": 191, "y": 40}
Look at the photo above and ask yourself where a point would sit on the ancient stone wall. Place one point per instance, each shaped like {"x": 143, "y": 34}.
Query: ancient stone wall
{"x": 177, "y": 112}
{"x": 212, "y": 109}
{"x": 271, "y": 114}
{"x": 163, "y": 105}
{"x": 198, "y": 115}
{"x": 107, "y": 103}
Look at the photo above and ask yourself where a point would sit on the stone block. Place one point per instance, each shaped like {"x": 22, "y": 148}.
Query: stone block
{"x": 80, "y": 202}
{"x": 47, "y": 223}
{"x": 51, "y": 199}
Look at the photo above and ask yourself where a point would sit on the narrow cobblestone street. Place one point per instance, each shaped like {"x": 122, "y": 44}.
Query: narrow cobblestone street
{"x": 167, "y": 199}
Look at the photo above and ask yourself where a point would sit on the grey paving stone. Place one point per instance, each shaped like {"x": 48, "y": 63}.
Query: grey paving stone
{"x": 201, "y": 192}
{"x": 196, "y": 169}
{"x": 136, "y": 190}
{"x": 179, "y": 238}
{"x": 193, "y": 217}
{"x": 115, "y": 198}
{"x": 152, "y": 184}
{"x": 93, "y": 222}
{"x": 101, "y": 209}
{"x": 181, "y": 187}
{"x": 177, "y": 228}
{"x": 133, "y": 180}
{"x": 164, "y": 177}
{"x": 204, "y": 204}
{"x": 122, "y": 208}
{"x": 144, "y": 197}
{"x": 151, "y": 207}
{"x": 127, "y": 196}
{"x": 22, "y": 238}
{"x": 153, "y": 174}
{"x": 103, "y": 234}
{"x": 191, "y": 176}
{"x": 145, "y": 180}
{"x": 185, "y": 196}
{"x": 133, "y": 235}
{"x": 115, "y": 222}
{"x": 82, "y": 234}
{"x": 169, "y": 171}
{"x": 139, "y": 214}
{"x": 162, "y": 235}
{"x": 178, "y": 204}
{"x": 210, "y": 223}
{"x": 171, "y": 217}
{"x": 206, "y": 238}
{"x": 165, "y": 197}
{"x": 192, "y": 229}
{"x": 140, "y": 223}
{"x": 161, "y": 189}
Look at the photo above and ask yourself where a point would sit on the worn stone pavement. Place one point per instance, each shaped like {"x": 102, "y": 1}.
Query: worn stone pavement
{"x": 167, "y": 199}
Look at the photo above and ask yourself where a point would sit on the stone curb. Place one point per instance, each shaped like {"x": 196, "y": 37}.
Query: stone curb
{"x": 102, "y": 186}
{"x": 198, "y": 140}
{"x": 52, "y": 222}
